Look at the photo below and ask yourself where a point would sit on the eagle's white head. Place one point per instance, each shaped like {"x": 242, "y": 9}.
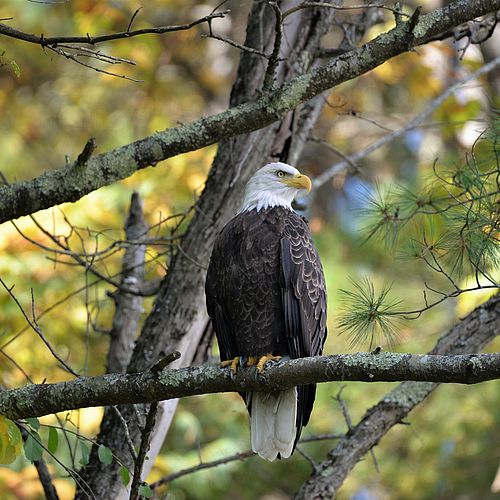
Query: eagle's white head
{"x": 274, "y": 185}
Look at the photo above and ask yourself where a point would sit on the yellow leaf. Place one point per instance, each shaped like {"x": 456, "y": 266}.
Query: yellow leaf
{"x": 10, "y": 441}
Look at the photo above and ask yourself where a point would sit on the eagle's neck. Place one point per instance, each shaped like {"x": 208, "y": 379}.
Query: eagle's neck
{"x": 261, "y": 200}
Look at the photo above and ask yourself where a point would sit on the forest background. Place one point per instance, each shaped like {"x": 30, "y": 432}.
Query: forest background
{"x": 50, "y": 106}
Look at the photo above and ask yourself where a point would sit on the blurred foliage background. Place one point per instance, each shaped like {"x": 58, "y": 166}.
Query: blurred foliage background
{"x": 50, "y": 106}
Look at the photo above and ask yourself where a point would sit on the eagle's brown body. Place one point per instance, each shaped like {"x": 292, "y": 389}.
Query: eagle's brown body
{"x": 266, "y": 293}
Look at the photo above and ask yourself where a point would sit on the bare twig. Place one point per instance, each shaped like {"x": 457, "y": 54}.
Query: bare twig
{"x": 132, "y": 19}
{"x": 201, "y": 466}
{"x": 130, "y": 443}
{"x": 74, "y": 57}
{"x": 54, "y": 41}
{"x": 274, "y": 59}
{"x": 305, "y": 5}
{"x": 36, "y": 328}
{"x": 141, "y": 456}
{"x": 234, "y": 44}
{"x": 416, "y": 313}
{"x": 86, "y": 153}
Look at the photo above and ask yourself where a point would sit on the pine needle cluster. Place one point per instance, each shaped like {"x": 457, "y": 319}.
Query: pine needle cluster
{"x": 451, "y": 225}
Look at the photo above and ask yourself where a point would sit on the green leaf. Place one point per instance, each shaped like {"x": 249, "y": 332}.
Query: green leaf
{"x": 34, "y": 423}
{"x": 33, "y": 447}
{"x": 10, "y": 441}
{"x": 145, "y": 490}
{"x": 124, "y": 475}
{"x": 84, "y": 460}
{"x": 53, "y": 440}
{"x": 15, "y": 68}
{"x": 105, "y": 454}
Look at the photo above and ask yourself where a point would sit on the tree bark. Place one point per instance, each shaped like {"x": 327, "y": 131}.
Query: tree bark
{"x": 128, "y": 306}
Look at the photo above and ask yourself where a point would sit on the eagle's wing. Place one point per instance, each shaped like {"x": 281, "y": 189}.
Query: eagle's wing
{"x": 304, "y": 303}
{"x": 221, "y": 324}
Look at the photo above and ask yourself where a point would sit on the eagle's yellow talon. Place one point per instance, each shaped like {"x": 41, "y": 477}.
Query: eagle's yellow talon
{"x": 252, "y": 360}
{"x": 264, "y": 359}
{"x": 233, "y": 363}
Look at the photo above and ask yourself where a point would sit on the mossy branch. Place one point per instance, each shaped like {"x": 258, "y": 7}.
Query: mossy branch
{"x": 116, "y": 389}
{"x": 69, "y": 184}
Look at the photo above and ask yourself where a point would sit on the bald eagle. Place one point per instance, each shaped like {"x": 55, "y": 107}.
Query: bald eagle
{"x": 266, "y": 296}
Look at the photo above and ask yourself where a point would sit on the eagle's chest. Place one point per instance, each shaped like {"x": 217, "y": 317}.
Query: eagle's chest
{"x": 251, "y": 288}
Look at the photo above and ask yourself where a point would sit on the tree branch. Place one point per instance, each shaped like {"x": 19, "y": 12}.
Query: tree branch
{"x": 54, "y": 41}
{"x": 128, "y": 306}
{"x": 69, "y": 184}
{"x": 146, "y": 387}
{"x": 351, "y": 161}
{"x": 470, "y": 335}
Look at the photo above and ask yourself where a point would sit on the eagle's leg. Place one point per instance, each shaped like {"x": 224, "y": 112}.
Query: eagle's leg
{"x": 260, "y": 361}
{"x": 233, "y": 363}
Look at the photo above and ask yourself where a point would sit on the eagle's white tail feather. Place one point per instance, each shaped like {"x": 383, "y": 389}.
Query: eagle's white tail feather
{"x": 273, "y": 423}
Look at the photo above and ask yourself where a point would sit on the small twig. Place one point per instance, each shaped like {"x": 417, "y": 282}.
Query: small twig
{"x": 234, "y": 44}
{"x": 343, "y": 408}
{"x": 375, "y": 461}
{"x": 97, "y": 54}
{"x": 86, "y": 153}
{"x": 53, "y": 41}
{"x": 305, "y": 5}
{"x": 201, "y": 466}
{"x": 398, "y": 13}
{"x": 132, "y": 19}
{"x": 127, "y": 433}
{"x": 307, "y": 457}
{"x": 274, "y": 59}
{"x": 34, "y": 326}
{"x": 410, "y": 26}
{"x": 17, "y": 365}
{"x": 165, "y": 361}
{"x": 74, "y": 58}
{"x": 335, "y": 150}
{"x": 4, "y": 179}
{"x": 146, "y": 435}
{"x": 320, "y": 437}
{"x": 444, "y": 296}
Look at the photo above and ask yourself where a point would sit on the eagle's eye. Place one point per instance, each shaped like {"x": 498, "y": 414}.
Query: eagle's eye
{"x": 280, "y": 173}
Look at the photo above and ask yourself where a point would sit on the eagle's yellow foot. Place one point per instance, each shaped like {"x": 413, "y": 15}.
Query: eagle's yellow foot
{"x": 264, "y": 359}
{"x": 252, "y": 360}
{"x": 233, "y": 363}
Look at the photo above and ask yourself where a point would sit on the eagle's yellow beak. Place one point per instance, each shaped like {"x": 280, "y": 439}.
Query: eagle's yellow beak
{"x": 299, "y": 181}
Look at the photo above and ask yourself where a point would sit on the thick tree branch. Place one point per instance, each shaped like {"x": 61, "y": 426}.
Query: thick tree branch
{"x": 70, "y": 184}
{"x": 128, "y": 306}
{"x": 145, "y": 387}
{"x": 470, "y": 335}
